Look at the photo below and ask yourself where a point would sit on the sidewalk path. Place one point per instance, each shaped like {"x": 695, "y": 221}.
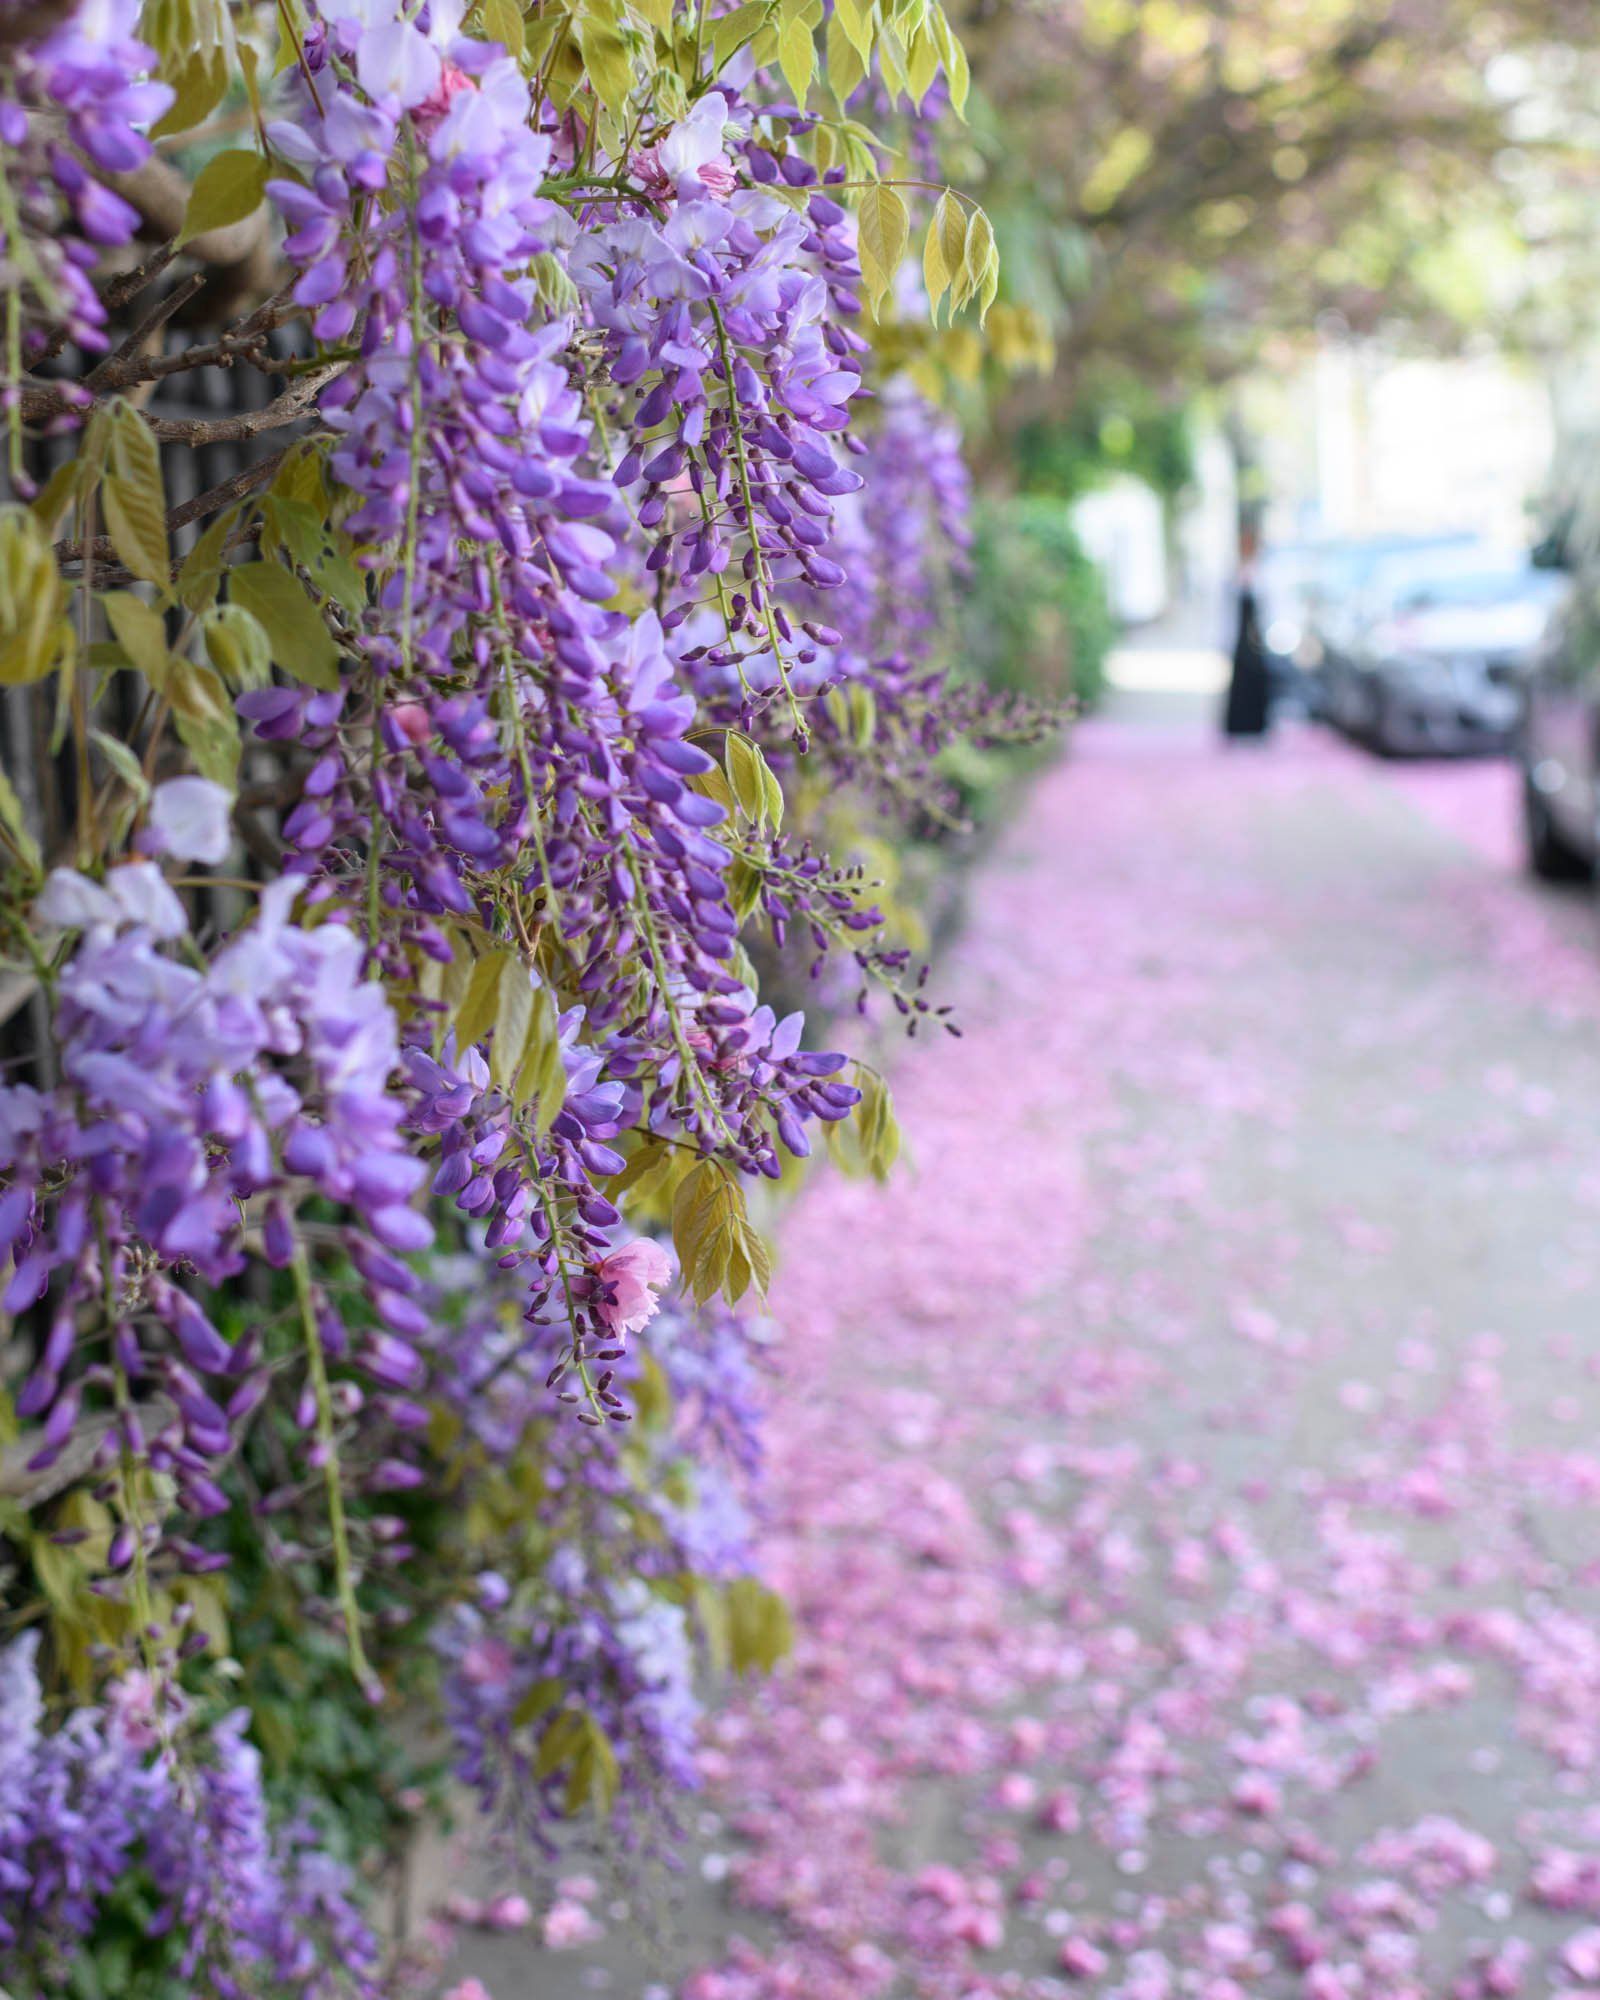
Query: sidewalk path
{"x": 1188, "y": 1471}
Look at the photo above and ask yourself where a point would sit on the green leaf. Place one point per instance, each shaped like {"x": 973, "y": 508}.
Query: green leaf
{"x": 200, "y": 576}
{"x": 954, "y": 57}
{"x": 602, "y": 1774}
{"x": 122, "y": 761}
{"x": 935, "y": 271}
{"x": 301, "y": 643}
{"x": 950, "y": 225}
{"x": 208, "y": 1602}
{"x": 559, "y": 1743}
{"x": 237, "y": 646}
{"x": 730, "y": 34}
{"x": 756, "y": 790}
{"x": 744, "y": 887}
{"x": 513, "y": 1018}
{"x": 892, "y": 61}
{"x": 141, "y": 632}
{"x": 15, "y": 823}
{"x": 717, "y": 1246}
{"x": 49, "y": 505}
{"x": 200, "y": 86}
{"x": 885, "y": 228}
{"x": 606, "y": 60}
{"x": 713, "y": 784}
{"x": 847, "y": 67}
{"x": 981, "y": 264}
{"x": 135, "y": 499}
{"x": 205, "y": 721}
{"x": 227, "y": 189}
{"x": 922, "y": 65}
{"x": 540, "y": 1087}
{"x": 797, "y": 55}
{"x": 482, "y": 1003}
{"x": 760, "y": 1630}
{"x": 502, "y": 23}
{"x": 138, "y": 531}
{"x": 34, "y": 633}
{"x": 539, "y": 1700}
{"x": 855, "y": 19}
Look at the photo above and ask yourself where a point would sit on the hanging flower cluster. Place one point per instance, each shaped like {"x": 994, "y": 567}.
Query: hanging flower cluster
{"x": 87, "y": 1807}
{"x": 75, "y": 107}
{"x": 391, "y": 956}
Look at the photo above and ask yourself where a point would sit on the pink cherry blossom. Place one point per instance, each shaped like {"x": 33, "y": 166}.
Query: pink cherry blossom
{"x": 634, "y": 1274}
{"x": 568, "y": 1924}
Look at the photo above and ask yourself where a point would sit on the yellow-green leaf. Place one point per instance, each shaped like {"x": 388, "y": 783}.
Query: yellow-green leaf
{"x": 138, "y": 531}
{"x": 855, "y": 19}
{"x": 935, "y": 271}
{"x": 227, "y": 189}
{"x": 122, "y": 760}
{"x": 539, "y": 1700}
{"x": 34, "y": 633}
{"x": 885, "y": 228}
{"x": 540, "y": 1087}
{"x": 922, "y": 64}
{"x": 482, "y": 1003}
{"x": 606, "y": 60}
{"x": 141, "y": 632}
{"x": 49, "y": 505}
{"x": 200, "y": 574}
{"x": 205, "y": 720}
{"x": 730, "y": 34}
{"x": 797, "y": 56}
{"x": 200, "y": 87}
{"x": 847, "y": 66}
{"x": 718, "y": 1247}
{"x": 755, "y": 788}
{"x": 950, "y": 224}
{"x": 301, "y": 643}
{"x": 760, "y": 1630}
{"x": 513, "y": 1017}
{"x": 14, "y": 820}
{"x": 713, "y": 785}
{"x": 954, "y": 57}
{"x": 237, "y": 646}
{"x": 502, "y": 23}
{"x": 981, "y": 263}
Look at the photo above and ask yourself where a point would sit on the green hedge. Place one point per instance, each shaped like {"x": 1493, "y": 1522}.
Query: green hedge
{"x": 1036, "y": 616}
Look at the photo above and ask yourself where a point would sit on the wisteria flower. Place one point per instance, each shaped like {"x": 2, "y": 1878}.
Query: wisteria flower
{"x": 689, "y": 160}
{"x": 188, "y": 819}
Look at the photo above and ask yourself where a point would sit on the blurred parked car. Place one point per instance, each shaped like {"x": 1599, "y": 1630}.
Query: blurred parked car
{"x": 1318, "y": 600}
{"x": 1428, "y": 658}
{"x": 1558, "y": 743}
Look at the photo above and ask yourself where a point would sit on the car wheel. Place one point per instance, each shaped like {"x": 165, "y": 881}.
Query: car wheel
{"x": 1551, "y": 855}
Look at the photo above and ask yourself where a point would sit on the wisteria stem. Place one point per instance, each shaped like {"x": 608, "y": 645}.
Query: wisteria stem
{"x": 338, "y": 1528}
{"x": 742, "y": 462}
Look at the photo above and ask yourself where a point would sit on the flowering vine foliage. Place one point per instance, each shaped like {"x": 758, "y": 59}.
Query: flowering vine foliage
{"x": 388, "y": 1044}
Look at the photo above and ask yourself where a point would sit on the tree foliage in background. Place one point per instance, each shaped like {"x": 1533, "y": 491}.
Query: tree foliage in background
{"x": 1175, "y": 183}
